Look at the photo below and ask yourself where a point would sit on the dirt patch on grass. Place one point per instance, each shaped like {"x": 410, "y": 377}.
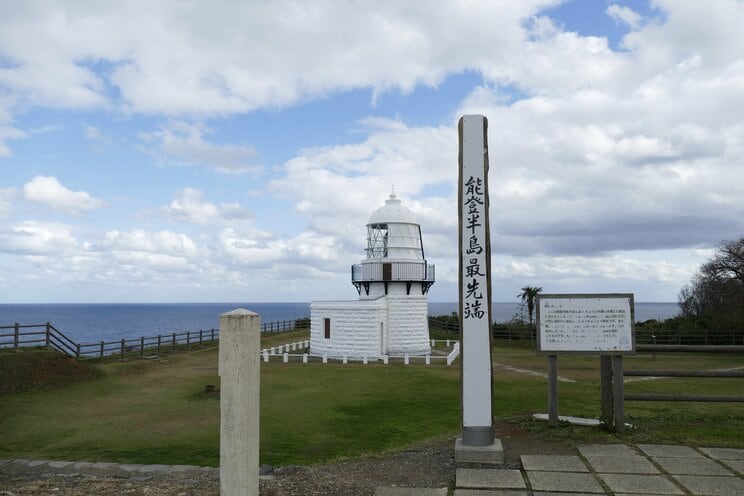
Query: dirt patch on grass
{"x": 33, "y": 368}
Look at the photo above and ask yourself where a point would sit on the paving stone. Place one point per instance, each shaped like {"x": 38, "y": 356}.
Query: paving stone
{"x": 691, "y": 466}
{"x": 60, "y": 467}
{"x": 550, "y": 493}
{"x": 633, "y": 464}
{"x": 724, "y": 453}
{"x": 669, "y": 451}
{"x": 82, "y": 466}
{"x": 712, "y": 486}
{"x": 153, "y": 468}
{"x": 38, "y": 463}
{"x": 489, "y": 478}
{"x": 640, "y": 484}
{"x": 564, "y": 482}
{"x": 737, "y": 465}
{"x": 183, "y": 468}
{"x": 410, "y": 491}
{"x": 16, "y": 466}
{"x": 128, "y": 468}
{"x": 606, "y": 450}
{"x": 487, "y": 492}
{"x": 553, "y": 463}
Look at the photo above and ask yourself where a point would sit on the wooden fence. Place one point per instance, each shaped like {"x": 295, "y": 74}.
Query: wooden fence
{"x": 668, "y": 337}
{"x": 46, "y": 335}
{"x": 687, "y": 373}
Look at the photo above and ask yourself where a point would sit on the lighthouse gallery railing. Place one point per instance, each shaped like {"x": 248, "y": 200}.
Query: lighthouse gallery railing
{"x": 399, "y": 271}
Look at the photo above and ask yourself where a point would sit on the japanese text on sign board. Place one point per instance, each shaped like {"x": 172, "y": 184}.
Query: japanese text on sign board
{"x": 474, "y": 276}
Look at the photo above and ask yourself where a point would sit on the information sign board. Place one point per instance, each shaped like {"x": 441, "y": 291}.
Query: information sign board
{"x": 586, "y": 323}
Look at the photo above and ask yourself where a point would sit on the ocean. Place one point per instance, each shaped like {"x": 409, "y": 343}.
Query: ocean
{"x": 89, "y": 323}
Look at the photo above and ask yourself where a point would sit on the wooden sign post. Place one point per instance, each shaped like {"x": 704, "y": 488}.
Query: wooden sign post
{"x": 475, "y": 291}
{"x": 598, "y": 324}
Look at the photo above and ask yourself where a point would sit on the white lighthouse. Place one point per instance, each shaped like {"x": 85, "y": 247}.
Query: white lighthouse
{"x": 390, "y": 316}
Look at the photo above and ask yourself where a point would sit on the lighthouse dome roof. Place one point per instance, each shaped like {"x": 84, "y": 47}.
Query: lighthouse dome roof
{"x": 393, "y": 212}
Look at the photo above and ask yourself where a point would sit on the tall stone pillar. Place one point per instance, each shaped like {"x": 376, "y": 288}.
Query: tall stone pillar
{"x": 477, "y": 443}
{"x": 240, "y": 383}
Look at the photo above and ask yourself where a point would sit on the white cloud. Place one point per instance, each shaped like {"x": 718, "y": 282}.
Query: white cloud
{"x": 139, "y": 240}
{"x": 8, "y": 133}
{"x": 188, "y": 206}
{"x": 625, "y": 14}
{"x": 143, "y": 251}
{"x": 50, "y": 192}
{"x": 195, "y": 59}
{"x": 7, "y": 196}
{"x": 96, "y": 138}
{"x": 38, "y": 238}
{"x": 182, "y": 143}
{"x": 356, "y": 178}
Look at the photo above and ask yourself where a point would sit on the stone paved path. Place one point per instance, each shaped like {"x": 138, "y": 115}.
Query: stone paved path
{"x": 614, "y": 469}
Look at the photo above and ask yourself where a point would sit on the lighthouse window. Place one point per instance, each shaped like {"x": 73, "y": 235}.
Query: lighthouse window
{"x": 327, "y": 324}
{"x": 377, "y": 241}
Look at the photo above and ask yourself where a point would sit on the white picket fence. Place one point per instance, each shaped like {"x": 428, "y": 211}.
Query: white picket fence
{"x": 285, "y": 351}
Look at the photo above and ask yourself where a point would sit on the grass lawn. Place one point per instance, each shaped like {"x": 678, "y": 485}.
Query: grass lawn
{"x": 148, "y": 411}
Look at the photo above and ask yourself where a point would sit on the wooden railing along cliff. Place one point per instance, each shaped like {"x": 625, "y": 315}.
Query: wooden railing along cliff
{"x": 46, "y": 335}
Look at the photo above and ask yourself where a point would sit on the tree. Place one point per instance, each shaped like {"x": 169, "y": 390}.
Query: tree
{"x": 528, "y": 294}
{"x": 715, "y": 296}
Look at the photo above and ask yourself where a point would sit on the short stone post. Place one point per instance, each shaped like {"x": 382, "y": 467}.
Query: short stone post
{"x": 240, "y": 383}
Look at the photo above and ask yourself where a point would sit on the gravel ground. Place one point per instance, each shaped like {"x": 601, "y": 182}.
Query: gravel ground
{"x": 431, "y": 465}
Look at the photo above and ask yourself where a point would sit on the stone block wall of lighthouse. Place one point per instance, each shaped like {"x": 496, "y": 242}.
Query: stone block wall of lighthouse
{"x": 407, "y": 317}
{"x": 354, "y": 328}
{"x": 408, "y": 330}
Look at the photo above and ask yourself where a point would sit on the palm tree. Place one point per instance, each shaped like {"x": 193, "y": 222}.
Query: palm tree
{"x": 528, "y": 294}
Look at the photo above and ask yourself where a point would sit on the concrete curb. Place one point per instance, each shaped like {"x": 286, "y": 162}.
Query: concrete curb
{"x": 22, "y": 467}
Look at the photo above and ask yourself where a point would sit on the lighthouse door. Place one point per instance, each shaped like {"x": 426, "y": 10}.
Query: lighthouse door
{"x": 387, "y": 272}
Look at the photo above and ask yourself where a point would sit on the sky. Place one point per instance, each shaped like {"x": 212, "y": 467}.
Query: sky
{"x": 234, "y": 150}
